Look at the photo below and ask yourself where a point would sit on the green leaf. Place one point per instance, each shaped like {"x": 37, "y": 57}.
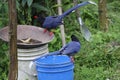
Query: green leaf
{"x": 29, "y": 2}
{"x": 55, "y": 6}
{"x": 40, "y": 7}
{"x": 17, "y": 5}
{"x": 66, "y": 1}
{"x": 24, "y": 2}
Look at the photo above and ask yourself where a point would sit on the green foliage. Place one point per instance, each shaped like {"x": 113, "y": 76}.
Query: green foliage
{"x": 112, "y": 4}
{"x": 86, "y": 73}
{"x": 28, "y": 8}
{"x": 98, "y": 59}
{"x": 57, "y": 40}
{"x": 3, "y": 61}
{"x": 24, "y": 11}
{"x": 3, "y": 13}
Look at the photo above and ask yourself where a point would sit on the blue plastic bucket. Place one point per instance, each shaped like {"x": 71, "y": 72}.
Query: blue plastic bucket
{"x": 56, "y": 67}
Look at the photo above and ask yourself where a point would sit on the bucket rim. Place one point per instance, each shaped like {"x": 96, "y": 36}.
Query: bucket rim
{"x": 56, "y": 71}
{"x": 43, "y": 63}
{"x": 40, "y": 63}
{"x": 55, "y": 66}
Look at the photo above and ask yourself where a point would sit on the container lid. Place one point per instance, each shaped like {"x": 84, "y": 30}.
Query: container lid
{"x": 34, "y": 36}
{"x": 53, "y": 60}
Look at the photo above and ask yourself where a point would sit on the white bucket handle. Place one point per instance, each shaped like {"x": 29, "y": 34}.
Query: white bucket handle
{"x": 32, "y": 67}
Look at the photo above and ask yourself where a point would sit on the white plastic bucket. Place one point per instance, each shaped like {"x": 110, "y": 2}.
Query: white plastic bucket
{"x": 25, "y": 56}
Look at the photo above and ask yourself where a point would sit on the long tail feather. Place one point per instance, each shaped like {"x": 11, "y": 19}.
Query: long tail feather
{"x": 49, "y": 54}
{"x": 73, "y": 8}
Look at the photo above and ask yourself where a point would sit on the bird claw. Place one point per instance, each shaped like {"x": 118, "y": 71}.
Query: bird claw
{"x": 50, "y": 33}
{"x": 72, "y": 59}
{"x": 45, "y": 30}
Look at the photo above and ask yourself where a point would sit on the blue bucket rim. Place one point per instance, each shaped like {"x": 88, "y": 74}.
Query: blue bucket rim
{"x": 41, "y": 63}
{"x": 56, "y": 71}
{"x": 52, "y": 64}
{"x": 55, "y": 66}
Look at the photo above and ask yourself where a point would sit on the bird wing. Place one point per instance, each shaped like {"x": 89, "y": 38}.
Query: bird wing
{"x": 64, "y": 47}
{"x": 48, "y": 21}
{"x": 52, "y": 22}
{"x": 71, "y": 48}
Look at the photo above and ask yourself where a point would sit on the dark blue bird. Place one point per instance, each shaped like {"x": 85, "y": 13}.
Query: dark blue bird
{"x": 69, "y": 49}
{"x": 51, "y": 22}
{"x": 72, "y": 47}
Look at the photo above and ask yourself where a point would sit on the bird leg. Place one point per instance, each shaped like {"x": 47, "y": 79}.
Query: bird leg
{"x": 45, "y": 30}
{"x": 50, "y": 33}
{"x": 72, "y": 59}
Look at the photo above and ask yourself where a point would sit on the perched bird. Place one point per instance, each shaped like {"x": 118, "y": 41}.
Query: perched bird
{"x": 69, "y": 49}
{"x": 51, "y": 22}
{"x": 72, "y": 47}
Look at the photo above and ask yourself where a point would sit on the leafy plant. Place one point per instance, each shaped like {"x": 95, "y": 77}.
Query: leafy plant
{"x": 98, "y": 59}
{"x": 3, "y": 13}
{"x": 3, "y": 61}
{"x": 97, "y": 73}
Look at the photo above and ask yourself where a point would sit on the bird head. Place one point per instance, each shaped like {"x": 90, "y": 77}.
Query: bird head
{"x": 40, "y": 19}
{"x": 74, "y": 38}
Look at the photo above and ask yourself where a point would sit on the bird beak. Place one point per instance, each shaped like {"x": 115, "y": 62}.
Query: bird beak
{"x": 35, "y": 17}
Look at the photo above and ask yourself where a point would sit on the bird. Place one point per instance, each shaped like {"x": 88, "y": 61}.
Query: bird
{"x": 52, "y": 22}
{"x": 70, "y": 49}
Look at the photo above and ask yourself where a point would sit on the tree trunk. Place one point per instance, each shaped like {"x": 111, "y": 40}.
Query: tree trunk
{"x": 103, "y": 15}
{"x": 13, "y": 66}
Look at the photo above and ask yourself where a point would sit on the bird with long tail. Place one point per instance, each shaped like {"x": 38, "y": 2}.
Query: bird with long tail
{"x": 69, "y": 49}
{"x": 52, "y": 22}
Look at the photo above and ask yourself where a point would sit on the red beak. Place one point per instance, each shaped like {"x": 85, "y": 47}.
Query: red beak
{"x": 35, "y": 17}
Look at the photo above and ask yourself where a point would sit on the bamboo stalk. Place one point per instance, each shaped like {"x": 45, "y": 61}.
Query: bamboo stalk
{"x": 61, "y": 26}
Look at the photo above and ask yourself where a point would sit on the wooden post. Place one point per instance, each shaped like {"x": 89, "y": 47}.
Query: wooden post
{"x": 61, "y": 26}
{"x": 103, "y": 15}
{"x": 13, "y": 66}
